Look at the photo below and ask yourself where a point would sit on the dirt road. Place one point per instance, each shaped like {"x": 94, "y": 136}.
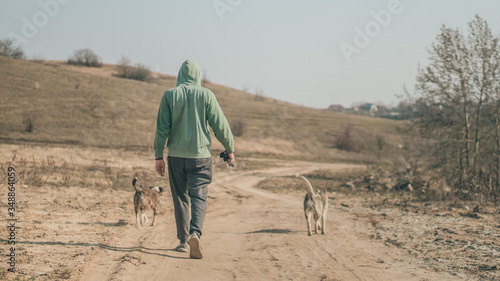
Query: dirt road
{"x": 76, "y": 222}
{"x": 251, "y": 234}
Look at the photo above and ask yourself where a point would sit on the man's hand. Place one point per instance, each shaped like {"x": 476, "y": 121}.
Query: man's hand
{"x": 232, "y": 160}
{"x": 160, "y": 167}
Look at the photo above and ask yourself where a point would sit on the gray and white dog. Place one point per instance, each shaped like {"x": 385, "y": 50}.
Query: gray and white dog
{"x": 315, "y": 205}
{"x": 144, "y": 200}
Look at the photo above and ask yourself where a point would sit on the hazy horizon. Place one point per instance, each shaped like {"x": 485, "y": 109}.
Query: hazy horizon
{"x": 313, "y": 54}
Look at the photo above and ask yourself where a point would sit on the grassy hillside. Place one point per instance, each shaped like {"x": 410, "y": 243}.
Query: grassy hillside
{"x": 90, "y": 107}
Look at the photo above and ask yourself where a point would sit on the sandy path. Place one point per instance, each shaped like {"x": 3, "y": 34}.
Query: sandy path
{"x": 251, "y": 234}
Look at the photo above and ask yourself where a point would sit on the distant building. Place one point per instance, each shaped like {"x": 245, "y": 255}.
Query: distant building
{"x": 336, "y": 108}
{"x": 404, "y": 111}
{"x": 370, "y": 107}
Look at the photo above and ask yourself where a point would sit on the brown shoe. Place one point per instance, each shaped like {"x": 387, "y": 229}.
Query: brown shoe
{"x": 194, "y": 246}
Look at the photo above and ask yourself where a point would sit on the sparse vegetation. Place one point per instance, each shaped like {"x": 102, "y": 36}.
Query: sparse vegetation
{"x": 238, "y": 127}
{"x": 85, "y": 57}
{"x": 93, "y": 109}
{"x": 458, "y": 110}
{"x": 38, "y": 58}
{"x": 56, "y": 173}
{"x": 30, "y": 121}
{"x": 259, "y": 94}
{"x": 141, "y": 73}
{"x": 9, "y": 48}
{"x": 123, "y": 67}
{"x": 63, "y": 274}
{"x": 347, "y": 141}
{"x": 138, "y": 72}
{"x": 204, "y": 79}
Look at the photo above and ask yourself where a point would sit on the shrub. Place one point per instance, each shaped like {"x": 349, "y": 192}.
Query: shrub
{"x": 9, "y": 48}
{"x": 138, "y": 72}
{"x": 123, "y": 67}
{"x": 85, "y": 57}
{"x": 238, "y": 127}
{"x": 259, "y": 94}
{"x": 347, "y": 142}
{"x": 381, "y": 142}
{"x": 141, "y": 73}
{"x": 37, "y": 58}
{"x": 29, "y": 121}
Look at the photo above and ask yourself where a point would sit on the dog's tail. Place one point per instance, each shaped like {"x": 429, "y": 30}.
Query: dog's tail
{"x": 137, "y": 188}
{"x": 310, "y": 189}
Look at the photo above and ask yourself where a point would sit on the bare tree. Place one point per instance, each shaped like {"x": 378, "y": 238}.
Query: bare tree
{"x": 204, "y": 79}
{"x": 123, "y": 67}
{"x": 259, "y": 94}
{"x": 452, "y": 95}
{"x": 85, "y": 57}
{"x": 9, "y": 48}
{"x": 138, "y": 72}
{"x": 485, "y": 73}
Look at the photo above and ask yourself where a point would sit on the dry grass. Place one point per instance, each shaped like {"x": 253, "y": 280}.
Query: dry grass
{"x": 100, "y": 174}
{"x": 320, "y": 179}
{"x": 91, "y": 107}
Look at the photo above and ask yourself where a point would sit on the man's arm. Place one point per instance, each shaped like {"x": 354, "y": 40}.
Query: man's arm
{"x": 162, "y": 133}
{"x": 162, "y": 127}
{"x": 219, "y": 124}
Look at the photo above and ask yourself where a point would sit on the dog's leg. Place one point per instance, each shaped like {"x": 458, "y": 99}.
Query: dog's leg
{"x": 316, "y": 223}
{"x": 146, "y": 219}
{"x": 309, "y": 219}
{"x": 154, "y": 217}
{"x": 323, "y": 223}
{"x": 137, "y": 219}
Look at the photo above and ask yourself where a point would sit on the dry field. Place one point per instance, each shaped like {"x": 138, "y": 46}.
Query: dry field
{"x": 76, "y": 222}
{"x": 90, "y": 107}
{"x": 77, "y": 136}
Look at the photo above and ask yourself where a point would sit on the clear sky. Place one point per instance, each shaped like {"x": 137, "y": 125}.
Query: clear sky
{"x": 305, "y": 52}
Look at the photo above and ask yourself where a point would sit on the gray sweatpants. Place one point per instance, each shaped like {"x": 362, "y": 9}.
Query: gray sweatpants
{"x": 189, "y": 180}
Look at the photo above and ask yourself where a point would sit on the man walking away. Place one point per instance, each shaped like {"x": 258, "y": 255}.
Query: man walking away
{"x": 185, "y": 114}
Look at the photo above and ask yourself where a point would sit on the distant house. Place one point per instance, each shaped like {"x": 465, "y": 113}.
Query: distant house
{"x": 370, "y": 107}
{"x": 336, "y": 108}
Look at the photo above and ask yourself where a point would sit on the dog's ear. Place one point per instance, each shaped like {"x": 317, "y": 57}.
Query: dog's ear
{"x": 161, "y": 189}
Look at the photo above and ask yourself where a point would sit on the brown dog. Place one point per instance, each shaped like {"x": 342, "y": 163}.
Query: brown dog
{"x": 144, "y": 200}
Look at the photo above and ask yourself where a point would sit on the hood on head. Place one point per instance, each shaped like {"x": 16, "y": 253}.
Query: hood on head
{"x": 189, "y": 73}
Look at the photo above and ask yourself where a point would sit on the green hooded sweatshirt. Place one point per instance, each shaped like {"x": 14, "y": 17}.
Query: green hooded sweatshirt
{"x": 186, "y": 111}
